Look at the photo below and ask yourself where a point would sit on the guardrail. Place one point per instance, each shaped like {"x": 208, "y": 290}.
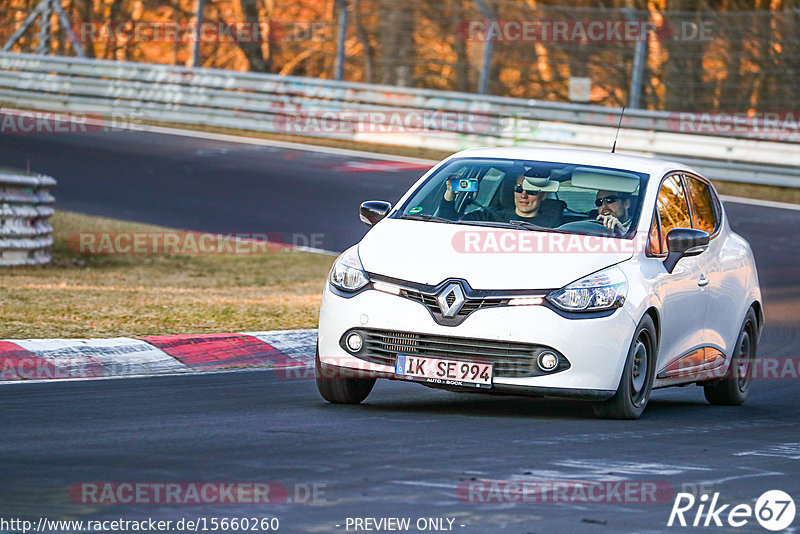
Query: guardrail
{"x": 343, "y": 110}
{"x": 25, "y": 207}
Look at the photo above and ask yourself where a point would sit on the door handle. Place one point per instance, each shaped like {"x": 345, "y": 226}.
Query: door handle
{"x": 703, "y": 281}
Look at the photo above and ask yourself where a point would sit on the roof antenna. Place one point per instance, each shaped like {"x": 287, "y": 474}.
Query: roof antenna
{"x": 614, "y": 146}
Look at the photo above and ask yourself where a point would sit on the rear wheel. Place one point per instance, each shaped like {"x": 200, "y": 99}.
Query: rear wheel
{"x": 637, "y": 377}
{"x": 733, "y": 388}
{"x": 340, "y": 389}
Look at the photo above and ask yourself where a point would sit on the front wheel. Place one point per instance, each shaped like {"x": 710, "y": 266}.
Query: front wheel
{"x": 733, "y": 388}
{"x": 636, "y": 383}
{"x": 340, "y": 389}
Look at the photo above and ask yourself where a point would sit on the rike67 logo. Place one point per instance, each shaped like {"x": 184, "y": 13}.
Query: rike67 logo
{"x": 774, "y": 510}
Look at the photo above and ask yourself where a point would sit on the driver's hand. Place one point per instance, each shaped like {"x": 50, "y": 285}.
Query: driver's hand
{"x": 611, "y": 222}
{"x": 449, "y": 195}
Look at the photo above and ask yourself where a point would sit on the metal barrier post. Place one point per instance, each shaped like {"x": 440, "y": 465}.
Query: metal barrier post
{"x": 44, "y": 28}
{"x": 197, "y": 32}
{"x": 488, "y": 48}
{"x": 341, "y": 39}
{"x": 639, "y": 51}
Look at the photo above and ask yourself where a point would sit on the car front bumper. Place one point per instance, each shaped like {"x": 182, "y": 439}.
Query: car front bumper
{"x": 596, "y": 347}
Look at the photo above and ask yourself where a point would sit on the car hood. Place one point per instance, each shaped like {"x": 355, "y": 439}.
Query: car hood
{"x": 487, "y": 258}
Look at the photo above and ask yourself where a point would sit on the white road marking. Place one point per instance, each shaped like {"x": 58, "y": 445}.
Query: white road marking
{"x": 280, "y": 144}
{"x": 761, "y": 203}
{"x": 790, "y": 451}
{"x": 118, "y": 356}
{"x": 628, "y": 468}
{"x": 738, "y": 477}
{"x": 425, "y": 484}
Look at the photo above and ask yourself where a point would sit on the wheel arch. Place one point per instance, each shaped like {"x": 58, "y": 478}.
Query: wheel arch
{"x": 653, "y": 313}
{"x": 759, "y": 311}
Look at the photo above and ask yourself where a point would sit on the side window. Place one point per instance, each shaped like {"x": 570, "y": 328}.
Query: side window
{"x": 654, "y": 239}
{"x": 703, "y": 215}
{"x": 673, "y": 211}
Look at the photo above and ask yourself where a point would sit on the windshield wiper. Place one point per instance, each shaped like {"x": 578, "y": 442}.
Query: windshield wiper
{"x": 531, "y": 226}
{"x": 492, "y": 224}
{"x": 423, "y": 217}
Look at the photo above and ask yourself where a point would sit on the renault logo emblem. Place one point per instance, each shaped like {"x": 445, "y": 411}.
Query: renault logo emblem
{"x": 451, "y": 299}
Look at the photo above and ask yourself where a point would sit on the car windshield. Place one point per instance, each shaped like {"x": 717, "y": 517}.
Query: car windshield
{"x": 530, "y": 195}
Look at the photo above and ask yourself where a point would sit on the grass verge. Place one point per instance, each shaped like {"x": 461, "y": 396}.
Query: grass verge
{"x": 132, "y": 295}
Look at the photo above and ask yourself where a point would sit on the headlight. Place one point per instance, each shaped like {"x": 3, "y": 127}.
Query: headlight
{"x": 347, "y": 273}
{"x": 599, "y": 291}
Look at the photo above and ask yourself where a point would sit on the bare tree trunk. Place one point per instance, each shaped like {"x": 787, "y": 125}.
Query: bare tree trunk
{"x": 83, "y": 9}
{"x": 396, "y": 39}
{"x": 366, "y": 46}
{"x": 766, "y": 90}
{"x": 113, "y": 16}
{"x": 462, "y": 59}
{"x": 253, "y": 50}
{"x": 683, "y": 75}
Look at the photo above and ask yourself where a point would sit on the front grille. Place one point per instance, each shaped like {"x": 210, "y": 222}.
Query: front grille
{"x": 510, "y": 359}
{"x": 470, "y": 305}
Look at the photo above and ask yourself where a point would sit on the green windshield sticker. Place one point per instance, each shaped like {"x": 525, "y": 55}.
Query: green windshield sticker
{"x": 415, "y": 210}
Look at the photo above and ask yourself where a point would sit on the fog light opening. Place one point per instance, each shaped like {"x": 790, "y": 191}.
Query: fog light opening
{"x": 354, "y": 342}
{"x": 547, "y": 361}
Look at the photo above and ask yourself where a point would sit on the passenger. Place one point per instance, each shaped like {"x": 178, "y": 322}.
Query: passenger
{"x": 527, "y": 205}
{"x": 613, "y": 210}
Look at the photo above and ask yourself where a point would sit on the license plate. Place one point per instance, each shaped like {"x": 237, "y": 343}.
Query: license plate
{"x": 445, "y": 372}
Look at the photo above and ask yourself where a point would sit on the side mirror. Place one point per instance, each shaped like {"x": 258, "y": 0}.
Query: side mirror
{"x": 373, "y": 211}
{"x": 684, "y": 242}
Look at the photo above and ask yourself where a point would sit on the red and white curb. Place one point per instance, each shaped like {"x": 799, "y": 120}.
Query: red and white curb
{"x": 55, "y": 359}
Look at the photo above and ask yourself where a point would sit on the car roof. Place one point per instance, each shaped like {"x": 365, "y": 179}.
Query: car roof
{"x": 652, "y": 166}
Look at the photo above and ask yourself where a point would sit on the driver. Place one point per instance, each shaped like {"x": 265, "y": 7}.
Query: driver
{"x": 527, "y": 206}
{"x": 613, "y": 210}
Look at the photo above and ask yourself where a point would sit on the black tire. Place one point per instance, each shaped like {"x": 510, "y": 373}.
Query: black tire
{"x": 637, "y": 378}
{"x": 733, "y": 388}
{"x": 341, "y": 389}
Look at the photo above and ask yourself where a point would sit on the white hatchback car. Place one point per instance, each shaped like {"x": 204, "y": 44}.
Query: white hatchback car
{"x": 545, "y": 272}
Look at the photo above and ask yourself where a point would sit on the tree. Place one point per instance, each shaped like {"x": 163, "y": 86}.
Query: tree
{"x": 254, "y": 49}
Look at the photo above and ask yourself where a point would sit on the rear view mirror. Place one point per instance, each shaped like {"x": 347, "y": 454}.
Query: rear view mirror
{"x": 684, "y": 242}
{"x": 373, "y": 211}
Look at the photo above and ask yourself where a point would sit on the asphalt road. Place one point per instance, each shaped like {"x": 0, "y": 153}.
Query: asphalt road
{"x": 406, "y": 450}
{"x": 189, "y": 183}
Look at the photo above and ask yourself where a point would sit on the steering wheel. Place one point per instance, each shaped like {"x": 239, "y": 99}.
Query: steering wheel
{"x": 463, "y": 200}
{"x": 468, "y": 198}
{"x": 590, "y": 225}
